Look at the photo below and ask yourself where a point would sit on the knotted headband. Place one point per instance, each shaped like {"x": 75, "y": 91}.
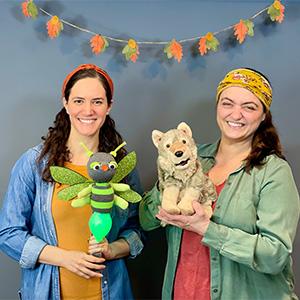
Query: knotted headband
{"x": 88, "y": 67}
{"x": 250, "y": 80}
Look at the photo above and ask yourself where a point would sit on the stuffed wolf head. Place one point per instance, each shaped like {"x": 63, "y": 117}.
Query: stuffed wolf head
{"x": 176, "y": 148}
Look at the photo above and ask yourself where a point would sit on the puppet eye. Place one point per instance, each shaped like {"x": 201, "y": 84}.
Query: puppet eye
{"x": 112, "y": 165}
{"x": 184, "y": 141}
{"x": 95, "y": 165}
{"x": 168, "y": 145}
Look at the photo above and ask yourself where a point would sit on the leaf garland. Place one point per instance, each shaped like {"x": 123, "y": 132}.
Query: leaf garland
{"x": 98, "y": 44}
{"x": 173, "y": 48}
{"x": 208, "y": 42}
{"x": 54, "y": 27}
{"x": 29, "y": 9}
{"x": 242, "y": 29}
{"x": 131, "y": 50}
{"x": 276, "y": 11}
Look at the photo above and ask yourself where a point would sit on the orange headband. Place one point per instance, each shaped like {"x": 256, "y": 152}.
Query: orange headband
{"x": 87, "y": 67}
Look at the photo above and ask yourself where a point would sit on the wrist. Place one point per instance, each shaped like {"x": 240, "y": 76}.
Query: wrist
{"x": 205, "y": 226}
{"x": 201, "y": 230}
{"x": 62, "y": 258}
{"x": 53, "y": 255}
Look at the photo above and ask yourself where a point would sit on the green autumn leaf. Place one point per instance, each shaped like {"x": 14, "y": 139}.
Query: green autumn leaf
{"x": 273, "y": 13}
{"x": 128, "y": 52}
{"x": 213, "y": 44}
{"x": 106, "y": 44}
{"x": 32, "y": 9}
{"x": 167, "y": 50}
{"x": 250, "y": 26}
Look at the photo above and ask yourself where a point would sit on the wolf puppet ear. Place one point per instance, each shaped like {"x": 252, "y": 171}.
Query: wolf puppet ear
{"x": 156, "y": 137}
{"x": 185, "y": 128}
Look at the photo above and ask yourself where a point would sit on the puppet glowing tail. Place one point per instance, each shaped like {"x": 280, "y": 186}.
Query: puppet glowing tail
{"x": 100, "y": 225}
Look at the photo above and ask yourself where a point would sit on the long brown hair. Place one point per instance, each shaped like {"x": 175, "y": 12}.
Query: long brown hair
{"x": 265, "y": 142}
{"x": 55, "y": 142}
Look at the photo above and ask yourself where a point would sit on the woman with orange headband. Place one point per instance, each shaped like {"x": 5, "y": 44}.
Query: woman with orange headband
{"x": 244, "y": 250}
{"x": 47, "y": 236}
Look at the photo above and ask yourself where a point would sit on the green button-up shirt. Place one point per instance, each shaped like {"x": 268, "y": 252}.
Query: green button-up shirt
{"x": 250, "y": 235}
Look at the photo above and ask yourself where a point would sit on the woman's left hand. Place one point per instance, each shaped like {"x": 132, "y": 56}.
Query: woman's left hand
{"x": 102, "y": 247}
{"x": 198, "y": 222}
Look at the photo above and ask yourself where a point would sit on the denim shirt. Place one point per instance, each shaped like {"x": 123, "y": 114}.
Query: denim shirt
{"x": 26, "y": 227}
{"x": 250, "y": 235}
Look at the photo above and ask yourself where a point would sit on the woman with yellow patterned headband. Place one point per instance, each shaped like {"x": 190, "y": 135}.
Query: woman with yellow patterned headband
{"x": 47, "y": 236}
{"x": 243, "y": 252}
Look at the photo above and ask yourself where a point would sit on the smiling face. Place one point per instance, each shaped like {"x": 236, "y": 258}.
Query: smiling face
{"x": 239, "y": 113}
{"x": 87, "y": 107}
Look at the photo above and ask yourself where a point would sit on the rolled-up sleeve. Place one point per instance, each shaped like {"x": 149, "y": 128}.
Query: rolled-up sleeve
{"x": 15, "y": 216}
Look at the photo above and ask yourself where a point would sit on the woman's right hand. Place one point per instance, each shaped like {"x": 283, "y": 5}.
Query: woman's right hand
{"x": 83, "y": 264}
{"x": 78, "y": 262}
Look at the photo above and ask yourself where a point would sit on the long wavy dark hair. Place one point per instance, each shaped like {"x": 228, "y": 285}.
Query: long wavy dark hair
{"x": 55, "y": 142}
{"x": 265, "y": 140}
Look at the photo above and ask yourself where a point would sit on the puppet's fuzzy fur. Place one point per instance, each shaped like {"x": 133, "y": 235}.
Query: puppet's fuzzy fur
{"x": 180, "y": 175}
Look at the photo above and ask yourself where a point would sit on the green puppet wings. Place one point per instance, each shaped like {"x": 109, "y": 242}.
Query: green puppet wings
{"x": 79, "y": 187}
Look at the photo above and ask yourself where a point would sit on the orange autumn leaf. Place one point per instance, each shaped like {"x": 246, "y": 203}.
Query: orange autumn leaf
{"x": 281, "y": 16}
{"x": 240, "y": 31}
{"x": 25, "y": 9}
{"x": 176, "y": 50}
{"x": 97, "y": 43}
{"x": 54, "y": 27}
{"x": 202, "y": 46}
{"x": 134, "y": 56}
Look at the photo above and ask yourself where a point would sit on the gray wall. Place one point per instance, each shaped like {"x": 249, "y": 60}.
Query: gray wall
{"x": 153, "y": 93}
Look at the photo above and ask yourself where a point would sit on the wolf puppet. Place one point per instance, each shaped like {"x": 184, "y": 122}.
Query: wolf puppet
{"x": 180, "y": 175}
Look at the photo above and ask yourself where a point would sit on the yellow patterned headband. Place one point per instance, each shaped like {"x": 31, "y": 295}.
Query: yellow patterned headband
{"x": 250, "y": 80}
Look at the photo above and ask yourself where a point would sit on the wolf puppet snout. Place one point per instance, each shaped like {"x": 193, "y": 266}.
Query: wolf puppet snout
{"x": 178, "y": 153}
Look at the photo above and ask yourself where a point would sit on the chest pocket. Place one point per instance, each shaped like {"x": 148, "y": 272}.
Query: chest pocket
{"x": 241, "y": 211}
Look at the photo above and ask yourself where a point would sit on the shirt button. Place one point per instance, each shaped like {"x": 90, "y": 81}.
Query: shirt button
{"x": 214, "y": 258}
{"x": 218, "y": 206}
{"x": 105, "y": 281}
{"x": 215, "y": 290}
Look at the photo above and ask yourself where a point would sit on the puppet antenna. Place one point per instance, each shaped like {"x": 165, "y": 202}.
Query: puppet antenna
{"x": 88, "y": 152}
{"x": 114, "y": 152}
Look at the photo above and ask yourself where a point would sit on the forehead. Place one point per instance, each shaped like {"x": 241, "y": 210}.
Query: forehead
{"x": 88, "y": 87}
{"x": 173, "y": 135}
{"x": 240, "y": 95}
